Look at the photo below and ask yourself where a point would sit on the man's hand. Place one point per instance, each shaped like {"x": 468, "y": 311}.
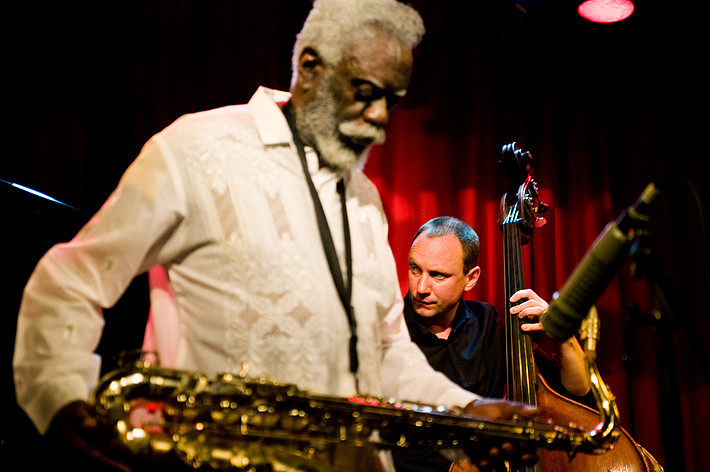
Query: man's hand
{"x": 530, "y": 310}
{"x": 499, "y": 409}
{"x": 573, "y": 373}
{"x": 491, "y": 455}
{"x": 74, "y": 434}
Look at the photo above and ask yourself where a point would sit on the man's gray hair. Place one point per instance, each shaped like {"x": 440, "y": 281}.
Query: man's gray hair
{"x": 468, "y": 238}
{"x": 331, "y": 24}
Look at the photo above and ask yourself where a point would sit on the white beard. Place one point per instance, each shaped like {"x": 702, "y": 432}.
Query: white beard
{"x": 316, "y": 122}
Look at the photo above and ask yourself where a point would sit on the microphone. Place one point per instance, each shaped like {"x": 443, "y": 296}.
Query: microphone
{"x": 594, "y": 272}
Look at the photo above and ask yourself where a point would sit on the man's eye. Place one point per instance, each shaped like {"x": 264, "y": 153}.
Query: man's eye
{"x": 366, "y": 93}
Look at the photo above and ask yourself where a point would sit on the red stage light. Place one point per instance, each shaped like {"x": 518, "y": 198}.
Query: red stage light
{"x": 606, "y": 11}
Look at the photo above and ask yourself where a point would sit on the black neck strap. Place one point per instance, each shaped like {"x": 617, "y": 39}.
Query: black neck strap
{"x": 344, "y": 286}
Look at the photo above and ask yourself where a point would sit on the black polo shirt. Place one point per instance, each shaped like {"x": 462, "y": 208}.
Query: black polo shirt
{"x": 473, "y": 356}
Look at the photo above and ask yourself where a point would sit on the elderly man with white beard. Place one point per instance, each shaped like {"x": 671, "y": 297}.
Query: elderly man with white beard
{"x": 266, "y": 244}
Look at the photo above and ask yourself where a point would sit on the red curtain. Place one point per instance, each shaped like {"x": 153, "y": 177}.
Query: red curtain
{"x": 604, "y": 110}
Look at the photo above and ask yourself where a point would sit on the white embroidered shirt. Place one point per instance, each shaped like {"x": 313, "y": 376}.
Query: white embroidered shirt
{"x": 219, "y": 202}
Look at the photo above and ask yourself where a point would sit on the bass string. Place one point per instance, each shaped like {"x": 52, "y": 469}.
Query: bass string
{"x": 521, "y": 368}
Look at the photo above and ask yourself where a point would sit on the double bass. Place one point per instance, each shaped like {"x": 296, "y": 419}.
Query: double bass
{"x": 520, "y": 211}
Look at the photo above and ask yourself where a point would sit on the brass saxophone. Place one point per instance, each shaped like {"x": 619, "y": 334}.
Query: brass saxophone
{"x": 240, "y": 422}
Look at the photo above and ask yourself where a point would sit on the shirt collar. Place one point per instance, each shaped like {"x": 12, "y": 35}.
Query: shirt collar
{"x": 270, "y": 122}
{"x": 266, "y": 106}
{"x": 418, "y": 329}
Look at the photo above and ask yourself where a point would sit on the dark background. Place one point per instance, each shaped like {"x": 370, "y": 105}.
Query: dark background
{"x": 604, "y": 109}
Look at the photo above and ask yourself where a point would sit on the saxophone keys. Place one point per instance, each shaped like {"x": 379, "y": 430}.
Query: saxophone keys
{"x": 295, "y": 420}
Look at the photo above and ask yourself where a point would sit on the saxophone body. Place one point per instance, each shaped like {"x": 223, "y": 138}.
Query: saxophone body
{"x": 239, "y": 422}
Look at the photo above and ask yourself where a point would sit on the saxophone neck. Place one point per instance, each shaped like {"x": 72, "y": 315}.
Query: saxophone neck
{"x": 607, "y": 432}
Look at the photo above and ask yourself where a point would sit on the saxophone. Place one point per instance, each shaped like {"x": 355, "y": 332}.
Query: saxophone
{"x": 243, "y": 423}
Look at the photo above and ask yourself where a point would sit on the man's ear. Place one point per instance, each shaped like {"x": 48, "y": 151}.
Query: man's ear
{"x": 310, "y": 66}
{"x": 472, "y": 278}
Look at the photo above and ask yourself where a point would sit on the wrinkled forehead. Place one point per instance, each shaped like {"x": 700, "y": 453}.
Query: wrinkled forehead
{"x": 379, "y": 57}
{"x": 441, "y": 253}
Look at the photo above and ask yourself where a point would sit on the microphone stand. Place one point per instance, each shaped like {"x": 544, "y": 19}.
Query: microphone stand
{"x": 646, "y": 263}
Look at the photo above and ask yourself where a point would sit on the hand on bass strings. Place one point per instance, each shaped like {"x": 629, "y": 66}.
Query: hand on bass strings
{"x": 530, "y": 310}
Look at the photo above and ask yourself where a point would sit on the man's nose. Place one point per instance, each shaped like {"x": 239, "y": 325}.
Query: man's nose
{"x": 377, "y": 112}
{"x": 424, "y": 285}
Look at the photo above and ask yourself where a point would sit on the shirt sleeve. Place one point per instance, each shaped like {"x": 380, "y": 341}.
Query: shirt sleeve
{"x": 61, "y": 318}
